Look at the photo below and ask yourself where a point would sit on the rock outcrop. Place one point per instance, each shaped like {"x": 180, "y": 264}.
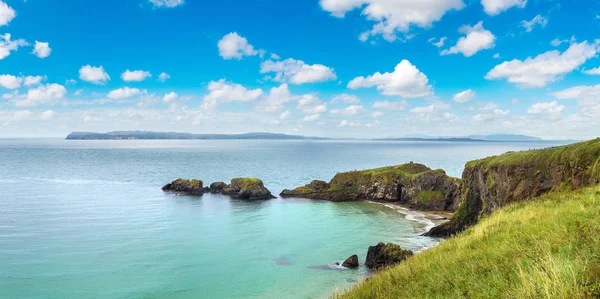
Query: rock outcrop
{"x": 494, "y": 182}
{"x": 384, "y": 255}
{"x": 351, "y": 262}
{"x": 242, "y": 188}
{"x": 412, "y": 184}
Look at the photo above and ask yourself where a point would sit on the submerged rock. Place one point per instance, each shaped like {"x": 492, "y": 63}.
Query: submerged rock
{"x": 186, "y": 187}
{"x": 351, "y": 262}
{"x": 247, "y": 188}
{"x": 412, "y": 184}
{"x": 384, "y": 255}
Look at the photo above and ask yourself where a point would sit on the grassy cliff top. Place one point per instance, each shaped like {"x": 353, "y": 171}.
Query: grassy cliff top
{"x": 582, "y": 153}
{"x": 548, "y": 248}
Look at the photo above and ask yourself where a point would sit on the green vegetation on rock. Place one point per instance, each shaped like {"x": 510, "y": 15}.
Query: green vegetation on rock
{"x": 544, "y": 248}
{"x": 426, "y": 196}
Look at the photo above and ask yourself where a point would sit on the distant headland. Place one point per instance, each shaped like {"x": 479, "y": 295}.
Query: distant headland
{"x": 149, "y": 135}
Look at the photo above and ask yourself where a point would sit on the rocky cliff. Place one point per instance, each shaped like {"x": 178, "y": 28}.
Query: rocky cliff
{"x": 494, "y": 182}
{"x": 412, "y": 184}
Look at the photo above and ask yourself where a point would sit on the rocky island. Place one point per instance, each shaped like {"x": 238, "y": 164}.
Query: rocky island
{"x": 241, "y": 188}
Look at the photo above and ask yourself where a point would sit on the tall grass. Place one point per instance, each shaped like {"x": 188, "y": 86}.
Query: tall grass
{"x": 544, "y": 248}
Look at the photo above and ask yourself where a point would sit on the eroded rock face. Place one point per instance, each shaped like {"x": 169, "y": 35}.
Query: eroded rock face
{"x": 351, "y": 262}
{"x": 413, "y": 184}
{"x": 187, "y": 187}
{"x": 385, "y": 255}
{"x": 247, "y": 188}
{"x": 494, "y": 182}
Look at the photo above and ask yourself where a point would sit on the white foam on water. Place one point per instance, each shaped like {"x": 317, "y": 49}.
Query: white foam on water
{"x": 411, "y": 215}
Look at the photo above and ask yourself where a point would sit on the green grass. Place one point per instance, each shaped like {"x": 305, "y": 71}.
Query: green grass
{"x": 544, "y": 248}
{"x": 426, "y": 196}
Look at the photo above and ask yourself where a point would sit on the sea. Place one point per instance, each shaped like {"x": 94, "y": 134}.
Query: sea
{"x": 88, "y": 219}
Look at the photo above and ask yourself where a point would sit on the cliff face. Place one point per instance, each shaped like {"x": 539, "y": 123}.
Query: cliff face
{"x": 494, "y": 182}
{"x": 413, "y": 184}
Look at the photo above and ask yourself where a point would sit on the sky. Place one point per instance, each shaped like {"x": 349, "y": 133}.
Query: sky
{"x": 332, "y": 68}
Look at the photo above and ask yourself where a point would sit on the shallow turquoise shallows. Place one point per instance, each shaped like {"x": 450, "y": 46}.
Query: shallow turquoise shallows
{"x": 87, "y": 219}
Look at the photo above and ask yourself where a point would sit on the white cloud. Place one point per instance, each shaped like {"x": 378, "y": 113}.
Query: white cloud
{"x": 41, "y": 49}
{"x": 585, "y": 95}
{"x": 47, "y": 115}
{"x": 388, "y": 105}
{"x": 490, "y": 111}
{"x": 163, "y": 77}
{"x": 494, "y": 7}
{"x": 394, "y": 16}
{"x": 439, "y": 43}
{"x": 33, "y": 80}
{"x": 276, "y": 99}
{"x": 136, "y": 76}
{"x": 92, "y": 74}
{"x": 345, "y": 98}
{"x": 350, "y": 110}
{"x": 496, "y": 56}
{"x": 346, "y": 123}
{"x": 21, "y": 115}
{"x": 297, "y": 72}
{"x": 464, "y": 97}
{"x": 42, "y": 95}
{"x": 475, "y": 40}
{"x": 170, "y": 97}
{"x": 10, "y": 81}
{"x": 233, "y": 45}
{"x": 166, "y": 3}
{"x": 377, "y": 114}
{"x": 284, "y": 115}
{"x": 312, "y": 117}
{"x": 434, "y": 107}
{"x": 594, "y": 71}
{"x": 551, "y": 109}
{"x": 537, "y": 20}
{"x": 545, "y": 68}
{"x": 6, "y": 13}
{"x": 7, "y": 45}
{"x": 310, "y": 104}
{"x": 275, "y": 56}
{"x": 224, "y": 92}
{"x": 124, "y": 93}
{"x": 405, "y": 81}
{"x": 71, "y": 81}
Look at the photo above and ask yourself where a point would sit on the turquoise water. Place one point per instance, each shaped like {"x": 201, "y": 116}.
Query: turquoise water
{"x": 87, "y": 219}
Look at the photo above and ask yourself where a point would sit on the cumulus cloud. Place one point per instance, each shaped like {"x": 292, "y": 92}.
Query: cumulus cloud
{"x": 490, "y": 111}
{"x": 92, "y": 74}
{"x": 545, "y": 68}
{"x": 10, "y": 81}
{"x": 284, "y": 115}
{"x": 170, "y": 97}
{"x": 551, "y": 109}
{"x": 377, "y": 114}
{"x": 433, "y": 108}
{"x": 166, "y": 3}
{"x": 47, "y": 115}
{"x": 233, "y": 45}
{"x": 494, "y": 7}
{"x": 32, "y": 80}
{"x": 389, "y": 105}
{"x": 43, "y": 95}
{"x": 8, "y": 45}
{"x": 6, "y": 13}
{"x": 310, "y": 104}
{"x": 345, "y": 98}
{"x": 346, "y": 123}
{"x": 41, "y": 49}
{"x": 393, "y": 17}
{"x": 312, "y": 117}
{"x": 464, "y": 97}
{"x": 224, "y": 92}
{"x": 297, "y": 72}
{"x": 585, "y": 95}
{"x": 163, "y": 77}
{"x": 537, "y": 20}
{"x": 594, "y": 71}
{"x": 405, "y": 81}
{"x": 476, "y": 39}
{"x": 124, "y": 93}
{"x": 276, "y": 99}
{"x": 350, "y": 110}
{"x": 136, "y": 76}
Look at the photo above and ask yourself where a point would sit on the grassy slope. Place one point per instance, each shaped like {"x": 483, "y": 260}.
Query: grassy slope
{"x": 547, "y": 248}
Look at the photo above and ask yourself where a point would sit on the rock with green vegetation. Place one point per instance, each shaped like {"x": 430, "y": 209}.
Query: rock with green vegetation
{"x": 351, "y": 262}
{"x": 185, "y": 187}
{"x": 385, "y": 255}
{"x": 217, "y": 187}
{"x": 547, "y": 247}
{"x": 494, "y": 182}
{"x": 247, "y": 188}
{"x": 412, "y": 184}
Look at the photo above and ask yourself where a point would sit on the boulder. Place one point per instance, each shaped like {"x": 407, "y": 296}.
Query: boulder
{"x": 247, "y": 188}
{"x": 185, "y": 187}
{"x": 351, "y": 262}
{"x": 217, "y": 187}
{"x": 385, "y": 255}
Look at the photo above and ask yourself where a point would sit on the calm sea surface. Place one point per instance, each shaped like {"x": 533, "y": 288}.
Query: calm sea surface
{"x": 87, "y": 219}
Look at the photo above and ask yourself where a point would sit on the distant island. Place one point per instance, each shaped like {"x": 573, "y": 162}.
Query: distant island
{"x": 149, "y": 135}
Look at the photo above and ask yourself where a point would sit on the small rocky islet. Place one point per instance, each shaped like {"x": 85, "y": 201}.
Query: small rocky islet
{"x": 240, "y": 188}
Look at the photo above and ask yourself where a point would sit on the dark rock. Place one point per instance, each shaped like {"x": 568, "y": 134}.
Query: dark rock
{"x": 384, "y": 255}
{"x": 185, "y": 187}
{"x": 351, "y": 262}
{"x": 247, "y": 188}
{"x": 217, "y": 187}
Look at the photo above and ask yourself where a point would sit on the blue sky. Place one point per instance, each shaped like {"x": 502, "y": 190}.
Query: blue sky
{"x": 340, "y": 68}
